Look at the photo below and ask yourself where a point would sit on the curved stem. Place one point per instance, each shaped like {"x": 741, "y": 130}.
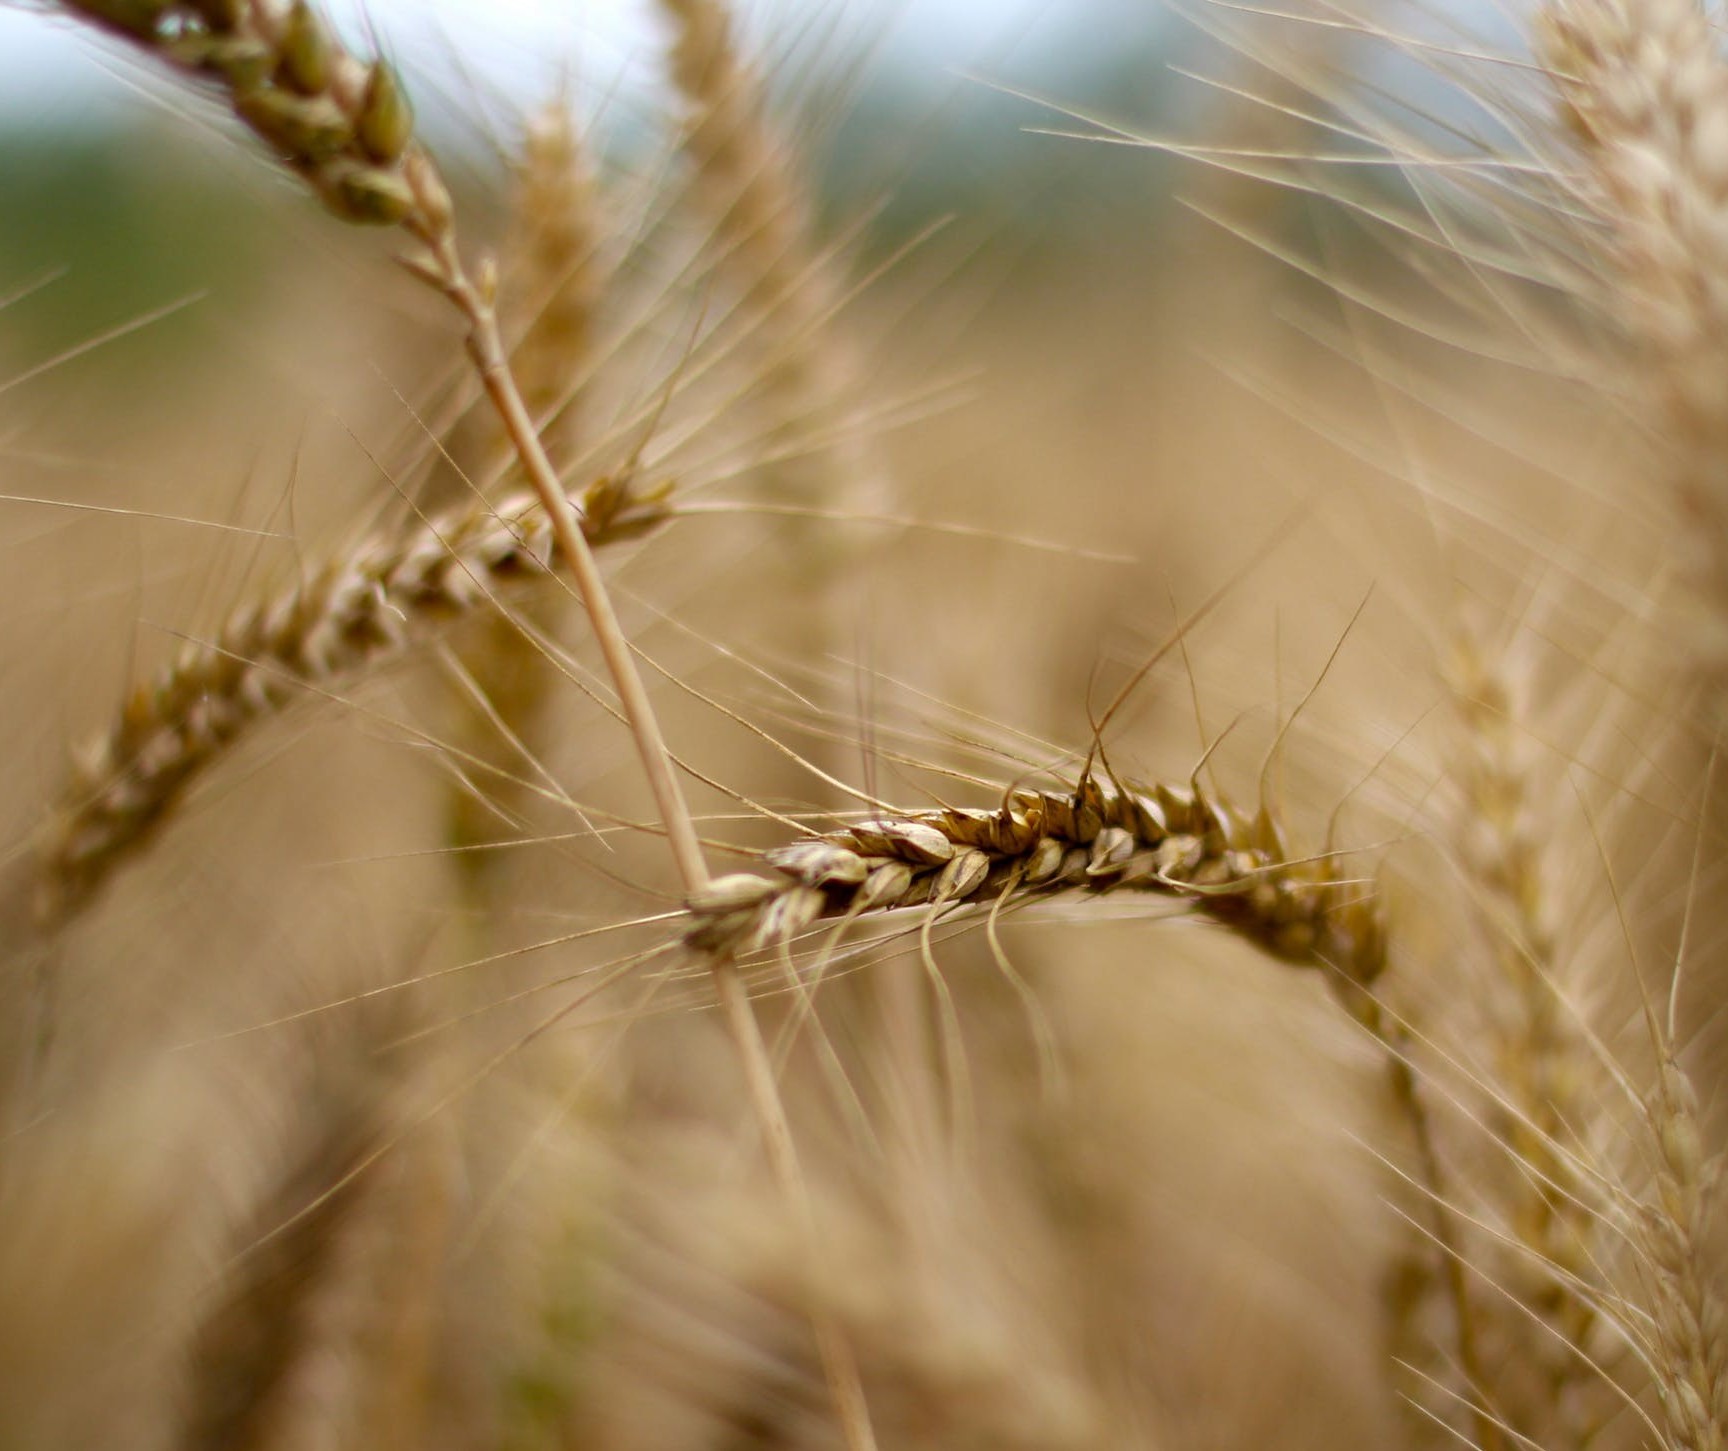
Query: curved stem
{"x": 486, "y": 349}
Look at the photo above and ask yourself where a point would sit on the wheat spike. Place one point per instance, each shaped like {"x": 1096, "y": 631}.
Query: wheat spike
{"x": 1644, "y": 95}
{"x": 362, "y": 607}
{"x": 1540, "y": 1064}
{"x": 553, "y": 261}
{"x": 1688, "y": 1326}
{"x": 1102, "y": 836}
{"x": 341, "y": 124}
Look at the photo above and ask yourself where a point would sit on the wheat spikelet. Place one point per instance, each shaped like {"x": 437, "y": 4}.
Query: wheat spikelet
{"x": 362, "y": 607}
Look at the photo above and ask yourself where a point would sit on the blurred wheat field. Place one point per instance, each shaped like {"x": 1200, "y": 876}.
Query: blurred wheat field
{"x": 1351, "y": 1078}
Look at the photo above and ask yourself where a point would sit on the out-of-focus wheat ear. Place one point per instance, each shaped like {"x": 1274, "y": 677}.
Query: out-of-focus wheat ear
{"x": 1643, "y": 100}
{"x": 552, "y": 263}
{"x": 364, "y": 607}
{"x": 1538, "y": 1065}
{"x": 764, "y": 253}
{"x": 1672, "y": 1231}
{"x": 321, "y": 1331}
{"x": 551, "y": 256}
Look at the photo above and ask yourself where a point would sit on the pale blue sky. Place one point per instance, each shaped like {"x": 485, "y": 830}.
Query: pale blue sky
{"x": 52, "y": 73}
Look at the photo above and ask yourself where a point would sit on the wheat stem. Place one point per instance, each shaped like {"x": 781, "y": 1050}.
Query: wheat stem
{"x": 839, "y": 1365}
{"x": 491, "y": 362}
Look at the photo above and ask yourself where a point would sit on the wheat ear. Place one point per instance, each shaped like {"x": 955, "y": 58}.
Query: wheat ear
{"x": 1644, "y": 94}
{"x": 1094, "y": 838}
{"x": 1687, "y": 1335}
{"x": 364, "y": 606}
{"x": 1100, "y": 836}
{"x": 747, "y": 177}
{"x": 553, "y": 260}
{"x": 1539, "y": 1063}
{"x": 1103, "y": 835}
